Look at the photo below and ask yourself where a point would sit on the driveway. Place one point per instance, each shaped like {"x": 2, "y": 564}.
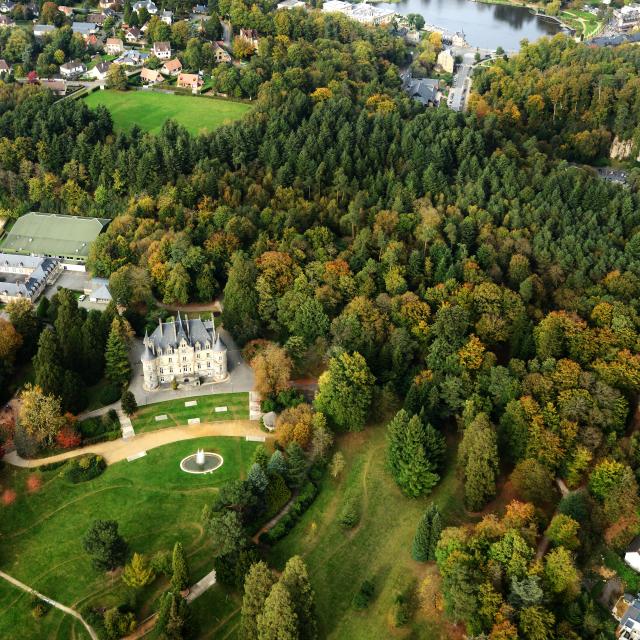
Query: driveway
{"x": 240, "y": 377}
{"x": 74, "y": 280}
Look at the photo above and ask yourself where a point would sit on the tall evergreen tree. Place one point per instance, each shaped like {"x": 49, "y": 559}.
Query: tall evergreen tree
{"x": 93, "y": 346}
{"x": 241, "y": 299}
{"x": 295, "y": 578}
{"x": 68, "y": 327}
{"x": 411, "y": 469}
{"x": 427, "y": 535}
{"x": 49, "y": 374}
{"x": 278, "y": 620}
{"x": 180, "y": 570}
{"x": 173, "y": 617}
{"x": 118, "y": 368}
{"x": 257, "y": 585}
{"x": 296, "y": 465}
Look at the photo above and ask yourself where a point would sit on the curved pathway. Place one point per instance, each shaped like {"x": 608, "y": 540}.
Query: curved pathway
{"x": 53, "y": 603}
{"x": 121, "y": 449}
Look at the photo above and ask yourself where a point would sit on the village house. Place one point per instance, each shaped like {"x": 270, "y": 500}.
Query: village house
{"x": 5, "y": 67}
{"x": 199, "y": 9}
{"x": 132, "y": 58}
{"x": 446, "y": 61}
{"x": 146, "y": 4}
{"x": 424, "y": 90}
{"x": 220, "y": 53}
{"x": 97, "y": 18}
{"x": 190, "y": 81}
{"x": 627, "y": 17}
{"x": 251, "y": 35}
{"x": 627, "y": 612}
{"x": 172, "y": 67}
{"x": 132, "y": 35}
{"x": 92, "y": 41}
{"x": 7, "y": 6}
{"x": 150, "y": 76}
{"x": 99, "y": 72}
{"x": 114, "y": 46}
{"x": 98, "y": 291}
{"x": 85, "y": 29}
{"x": 6, "y": 22}
{"x": 186, "y": 350}
{"x": 72, "y": 69}
{"x": 41, "y": 30}
{"x": 107, "y": 4}
{"x": 57, "y": 87}
{"x": 161, "y": 50}
{"x": 68, "y": 11}
{"x": 166, "y": 16}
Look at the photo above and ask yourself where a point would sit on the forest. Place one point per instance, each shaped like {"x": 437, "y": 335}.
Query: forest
{"x": 455, "y": 267}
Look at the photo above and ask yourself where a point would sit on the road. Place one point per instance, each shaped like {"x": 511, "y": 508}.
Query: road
{"x": 53, "y": 603}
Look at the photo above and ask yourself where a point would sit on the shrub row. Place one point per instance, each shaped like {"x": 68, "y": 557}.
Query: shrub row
{"x": 84, "y": 468}
{"x": 302, "y": 502}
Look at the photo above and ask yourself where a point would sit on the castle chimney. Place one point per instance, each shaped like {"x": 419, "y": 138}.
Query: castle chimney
{"x": 160, "y": 325}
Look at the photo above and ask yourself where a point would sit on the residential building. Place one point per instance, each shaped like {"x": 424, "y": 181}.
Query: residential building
{"x": 190, "y": 81}
{"x": 132, "y": 58}
{"x": 114, "y": 46}
{"x": 132, "y": 35}
{"x": 41, "y": 30}
{"x": 424, "y": 90}
{"x": 190, "y": 351}
{"x": 107, "y": 4}
{"x": 446, "y": 61}
{"x": 251, "y": 35}
{"x": 7, "y": 6}
{"x": 166, "y": 16}
{"x": 146, "y": 4}
{"x": 161, "y": 50}
{"x": 220, "y": 53}
{"x": 627, "y": 612}
{"x": 200, "y": 9}
{"x": 97, "y": 18}
{"x": 72, "y": 69}
{"x": 5, "y": 67}
{"x": 6, "y": 22}
{"x": 26, "y": 276}
{"x": 150, "y": 76}
{"x": 627, "y": 17}
{"x": 98, "y": 291}
{"x": 362, "y": 12}
{"x": 291, "y": 4}
{"x": 92, "y": 41}
{"x": 85, "y": 29}
{"x": 68, "y": 11}
{"x": 49, "y": 235}
{"x": 99, "y": 72}
{"x": 412, "y": 37}
{"x": 632, "y": 554}
{"x": 171, "y": 67}
{"x": 57, "y": 87}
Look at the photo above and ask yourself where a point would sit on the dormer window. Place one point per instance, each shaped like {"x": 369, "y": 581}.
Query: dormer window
{"x": 207, "y": 345}
{"x": 197, "y": 346}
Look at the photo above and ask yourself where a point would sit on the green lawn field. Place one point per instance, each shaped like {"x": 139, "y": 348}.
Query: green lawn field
{"x": 149, "y": 110}
{"x": 155, "y": 504}
{"x": 178, "y": 415}
{"x": 378, "y": 549}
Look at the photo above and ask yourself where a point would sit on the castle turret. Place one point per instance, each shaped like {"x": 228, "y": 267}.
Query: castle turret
{"x": 220, "y": 358}
{"x": 149, "y": 366}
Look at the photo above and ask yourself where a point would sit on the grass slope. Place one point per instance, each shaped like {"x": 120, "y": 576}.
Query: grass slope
{"x": 149, "y": 110}
{"x": 153, "y": 501}
{"x": 177, "y": 414}
{"x": 378, "y": 549}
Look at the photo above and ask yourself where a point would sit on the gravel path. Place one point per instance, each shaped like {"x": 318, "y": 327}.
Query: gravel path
{"x": 121, "y": 449}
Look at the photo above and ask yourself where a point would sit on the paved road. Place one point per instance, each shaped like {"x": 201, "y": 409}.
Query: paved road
{"x": 117, "y": 450}
{"x": 53, "y": 603}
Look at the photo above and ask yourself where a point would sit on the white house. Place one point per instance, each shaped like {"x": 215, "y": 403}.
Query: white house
{"x": 99, "y": 72}
{"x": 146, "y": 4}
{"x": 171, "y": 67}
{"x": 161, "y": 50}
{"x": 183, "y": 351}
{"x": 98, "y": 291}
{"x": 114, "y": 46}
{"x": 150, "y": 76}
{"x": 72, "y": 69}
{"x": 27, "y": 276}
{"x": 132, "y": 35}
{"x": 166, "y": 16}
{"x": 632, "y": 554}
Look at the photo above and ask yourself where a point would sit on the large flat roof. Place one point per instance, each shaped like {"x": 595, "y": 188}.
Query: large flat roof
{"x": 49, "y": 234}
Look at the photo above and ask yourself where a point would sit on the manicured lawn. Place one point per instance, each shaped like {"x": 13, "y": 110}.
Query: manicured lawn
{"x": 177, "y": 414}
{"x": 378, "y": 549}
{"x": 149, "y": 110}
{"x": 155, "y": 504}
{"x": 582, "y": 21}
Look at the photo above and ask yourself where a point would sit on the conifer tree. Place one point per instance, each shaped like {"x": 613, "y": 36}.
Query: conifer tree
{"x": 295, "y": 578}
{"x": 117, "y": 368}
{"x": 427, "y": 535}
{"x": 137, "y": 573}
{"x": 257, "y": 585}
{"x": 297, "y": 464}
{"x": 68, "y": 327}
{"x": 241, "y": 299}
{"x": 278, "y": 620}
{"x": 409, "y": 465}
{"x": 93, "y": 346}
{"x": 278, "y": 464}
{"x": 173, "y": 617}
{"x": 49, "y": 374}
{"x": 180, "y": 576}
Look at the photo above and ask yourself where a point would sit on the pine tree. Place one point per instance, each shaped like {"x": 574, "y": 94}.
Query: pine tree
{"x": 278, "y": 464}
{"x": 137, "y": 574}
{"x": 278, "y": 620}
{"x": 49, "y": 374}
{"x": 68, "y": 327}
{"x": 117, "y": 369}
{"x": 128, "y": 402}
{"x": 257, "y": 585}
{"x": 257, "y": 478}
{"x": 180, "y": 576}
{"x": 410, "y": 468}
{"x": 295, "y": 578}
{"x": 93, "y": 346}
{"x": 241, "y": 299}
{"x": 427, "y": 535}
{"x": 173, "y": 617}
{"x": 435, "y": 446}
{"x": 297, "y": 464}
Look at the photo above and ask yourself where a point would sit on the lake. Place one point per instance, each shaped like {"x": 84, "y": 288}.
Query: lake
{"x": 485, "y": 25}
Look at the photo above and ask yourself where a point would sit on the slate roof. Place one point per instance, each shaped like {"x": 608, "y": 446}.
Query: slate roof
{"x": 192, "y": 330}
{"x": 42, "y": 267}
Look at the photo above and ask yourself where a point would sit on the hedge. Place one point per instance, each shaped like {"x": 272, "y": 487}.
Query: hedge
{"x": 84, "y": 468}
{"x": 302, "y": 502}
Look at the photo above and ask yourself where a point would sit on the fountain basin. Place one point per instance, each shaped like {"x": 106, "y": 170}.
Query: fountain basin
{"x": 201, "y": 462}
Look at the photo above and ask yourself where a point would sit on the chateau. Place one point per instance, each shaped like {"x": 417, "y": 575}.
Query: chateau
{"x": 185, "y": 351}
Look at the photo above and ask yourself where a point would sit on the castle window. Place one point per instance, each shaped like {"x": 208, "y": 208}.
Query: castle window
{"x": 208, "y": 365}
{"x": 161, "y": 370}
{"x": 170, "y": 369}
{"x": 207, "y": 345}
{"x": 170, "y": 360}
{"x": 184, "y": 358}
{"x": 197, "y": 346}
{"x": 161, "y": 379}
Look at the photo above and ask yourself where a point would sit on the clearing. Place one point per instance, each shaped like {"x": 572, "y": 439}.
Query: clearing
{"x": 150, "y": 109}
{"x": 155, "y": 505}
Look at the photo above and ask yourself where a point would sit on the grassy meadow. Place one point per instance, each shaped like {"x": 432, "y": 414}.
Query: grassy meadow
{"x": 155, "y": 505}
{"x": 149, "y": 110}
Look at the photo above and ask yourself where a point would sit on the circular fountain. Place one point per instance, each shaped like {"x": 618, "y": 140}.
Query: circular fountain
{"x": 201, "y": 462}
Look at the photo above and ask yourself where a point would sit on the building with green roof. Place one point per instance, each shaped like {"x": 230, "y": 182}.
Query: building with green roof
{"x": 51, "y": 235}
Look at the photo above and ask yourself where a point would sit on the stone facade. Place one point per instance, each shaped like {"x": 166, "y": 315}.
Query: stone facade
{"x": 186, "y": 350}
